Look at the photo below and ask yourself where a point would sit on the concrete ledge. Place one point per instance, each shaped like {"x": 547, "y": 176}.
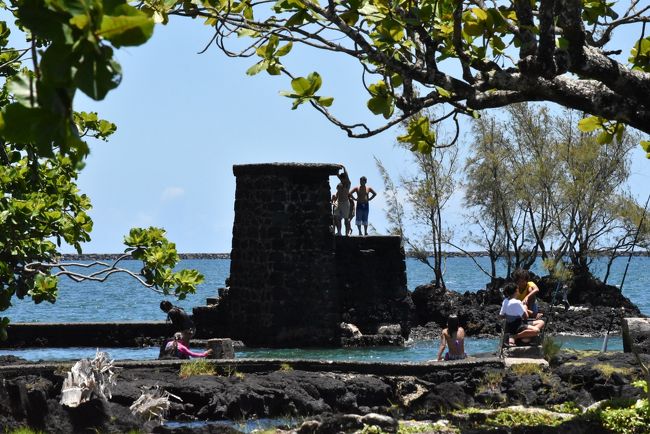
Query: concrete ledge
{"x": 313, "y": 170}
{"x": 88, "y": 334}
{"x": 266, "y": 365}
{"x": 510, "y": 361}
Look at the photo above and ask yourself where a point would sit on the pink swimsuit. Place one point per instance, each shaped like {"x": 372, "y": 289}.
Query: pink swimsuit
{"x": 184, "y": 350}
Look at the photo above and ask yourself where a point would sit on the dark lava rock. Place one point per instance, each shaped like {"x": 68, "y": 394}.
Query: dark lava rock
{"x": 342, "y": 423}
{"x": 475, "y": 312}
{"x": 256, "y": 395}
{"x": 594, "y": 306}
{"x": 212, "y": 428}
{"x": 12, "y": 360}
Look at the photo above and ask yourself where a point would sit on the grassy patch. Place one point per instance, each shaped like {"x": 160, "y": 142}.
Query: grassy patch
{"x": 512, "y": 418}
{"x": 286, "y": 367}
{"x": 197, "y": 367}
{"x": 491, "y": 381}
{"x": 567, "y": 407}
{"x": 608, "y": 370}
{"x": 25, "y": 430}
{"x": 526, "y": 369}
{"x": 582, "y": 353}
{"x": 415, "y": 427}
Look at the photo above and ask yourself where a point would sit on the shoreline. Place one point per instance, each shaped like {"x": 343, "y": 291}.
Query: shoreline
{"x": 199, "y": 255}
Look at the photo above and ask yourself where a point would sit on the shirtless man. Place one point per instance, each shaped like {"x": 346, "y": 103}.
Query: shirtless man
{"x": 364, "y": 194}
{"x": 341, "y": 201}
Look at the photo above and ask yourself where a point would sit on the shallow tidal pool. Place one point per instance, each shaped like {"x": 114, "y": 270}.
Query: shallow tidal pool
{"x": 415, "y": 352}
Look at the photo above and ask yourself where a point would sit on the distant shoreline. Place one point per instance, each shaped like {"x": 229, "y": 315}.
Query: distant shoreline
{"x": 113, "y": 256}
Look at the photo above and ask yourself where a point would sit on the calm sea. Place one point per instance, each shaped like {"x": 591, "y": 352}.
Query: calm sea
{"x": 122, "y": 299}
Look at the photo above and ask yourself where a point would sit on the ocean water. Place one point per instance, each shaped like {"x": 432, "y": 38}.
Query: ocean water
{"x": 120, "y": 298}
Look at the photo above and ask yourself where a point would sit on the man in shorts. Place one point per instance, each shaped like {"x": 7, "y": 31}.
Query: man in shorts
{"x": 364, "y": 194}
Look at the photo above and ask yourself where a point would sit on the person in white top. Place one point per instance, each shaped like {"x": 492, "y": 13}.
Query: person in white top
{"x": 515, "y": 314}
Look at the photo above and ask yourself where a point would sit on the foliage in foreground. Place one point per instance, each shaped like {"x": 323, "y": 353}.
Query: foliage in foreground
{"x": 632, "y": 419}
{"x": 462, "y": 56}
{"x": 44, "y": 142}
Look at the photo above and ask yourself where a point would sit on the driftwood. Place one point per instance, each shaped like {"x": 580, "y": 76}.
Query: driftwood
{"x": 153, "y": 405}
{"x": 89, "y": 379}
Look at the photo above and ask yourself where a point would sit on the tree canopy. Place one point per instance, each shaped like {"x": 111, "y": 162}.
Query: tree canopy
{"x": 465, "y": 55}
{"x": 544, "y": 189}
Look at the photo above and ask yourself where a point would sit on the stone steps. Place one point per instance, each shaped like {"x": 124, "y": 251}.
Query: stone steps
{"x": 524, "y": 354}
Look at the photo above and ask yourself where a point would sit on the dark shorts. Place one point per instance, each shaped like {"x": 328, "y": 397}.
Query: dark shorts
{"x": 515, "y": 326}
{"x": 363, "y": 210}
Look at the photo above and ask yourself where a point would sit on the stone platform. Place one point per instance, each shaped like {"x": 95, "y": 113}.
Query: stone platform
{"x": 89, "y": 334}
{"x": 267, "y": 365}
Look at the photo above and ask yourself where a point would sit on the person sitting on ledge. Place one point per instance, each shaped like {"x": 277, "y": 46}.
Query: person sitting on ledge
{"x": 515, "y": 313}
{"x": 526, "y": 291}
{"x": 181, "y": 321}
{"x": 174, "y": 348}
{"x": 452, "y": 337}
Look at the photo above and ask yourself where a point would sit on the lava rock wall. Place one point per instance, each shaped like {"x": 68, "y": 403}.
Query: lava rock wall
{"x": 292, "y": 281}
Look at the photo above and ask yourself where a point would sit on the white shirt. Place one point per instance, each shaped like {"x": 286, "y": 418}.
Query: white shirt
{"x": 512, "y": 307}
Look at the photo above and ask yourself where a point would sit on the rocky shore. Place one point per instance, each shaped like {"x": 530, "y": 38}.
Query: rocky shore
{"x": 466, "y": 397}
{"x": 593, "y": 306}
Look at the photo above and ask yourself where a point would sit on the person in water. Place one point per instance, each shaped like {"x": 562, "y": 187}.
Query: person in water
{"x": 453, "y": 337}
{"x": 175, "y": 348}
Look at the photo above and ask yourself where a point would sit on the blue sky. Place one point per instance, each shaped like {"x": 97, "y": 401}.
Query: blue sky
{"x": 184, "y": 119}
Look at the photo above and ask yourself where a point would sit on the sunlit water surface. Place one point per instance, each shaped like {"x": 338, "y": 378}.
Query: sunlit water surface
{"x": 120, "y": 299}
{"x": 415, "y": 352}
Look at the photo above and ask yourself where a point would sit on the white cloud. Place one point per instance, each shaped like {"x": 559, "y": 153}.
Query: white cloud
{"x": 171, "y": 193}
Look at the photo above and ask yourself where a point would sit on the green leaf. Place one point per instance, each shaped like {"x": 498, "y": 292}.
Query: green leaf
{"x": 381, "y": 105}
{"x": 590, "y": 123}
{"x": 127, "y": 30}
{"x": 325, "y": 101}
{"x": 350, "y": 17}
{"x": 645, "y": 144}
{"x": 391, "y": 30}
{"x": 23, "y": 87}
{"x": 443, "y": 92}
{"x": 57, "y": 65}
{"x": 396, "y": 80}
{"x": 604, "y": 138}
{"x": 258, "y": 67}
{"x": 480, "y": 14}
{"x": 284, "y": 50}
{"x": 297, "y": 19}
{"x": 301, "y": 86}
{"x": 80, "y": 21}
{"x": 97, "y": 72}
